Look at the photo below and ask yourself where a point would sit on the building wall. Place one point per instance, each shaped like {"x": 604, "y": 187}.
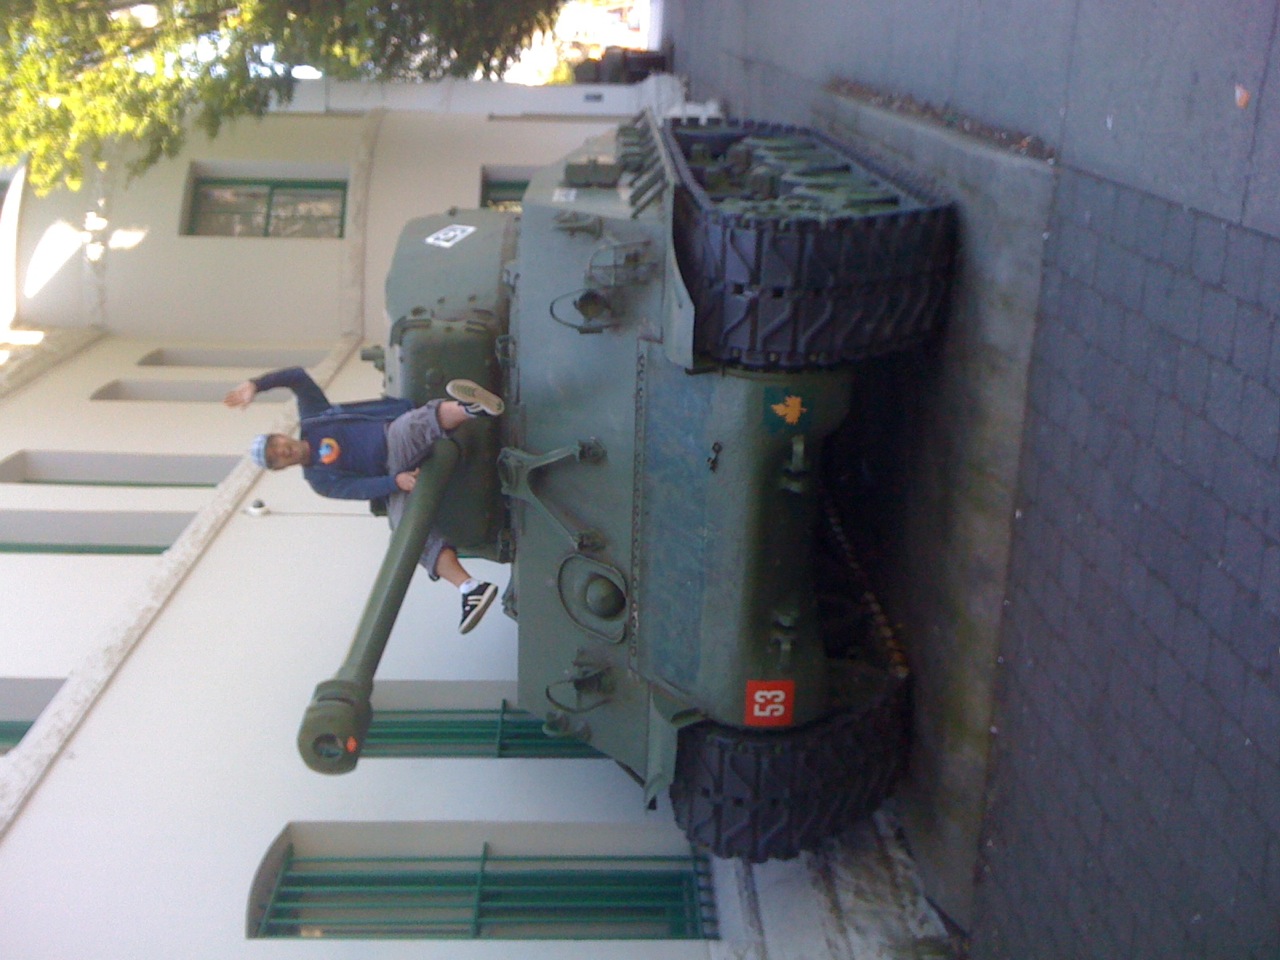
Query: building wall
{"x": 397, "y": 163}
{"x": 149, "y": 826}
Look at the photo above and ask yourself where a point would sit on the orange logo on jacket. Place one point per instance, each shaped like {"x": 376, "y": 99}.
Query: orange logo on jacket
{"x": 329, "y": 450}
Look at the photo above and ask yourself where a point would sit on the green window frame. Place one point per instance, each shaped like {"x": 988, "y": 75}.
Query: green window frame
{"x": 502, "y": 733}
{"x": 148, "y": 484}
{"x": 242, "y": 207}
{"x": 103, "y": 532}
{"x": 12, "y": 731}
{"x": 490, "y": 897}
{"x": 82, "y": 468}
{"x": 104, "y": 549}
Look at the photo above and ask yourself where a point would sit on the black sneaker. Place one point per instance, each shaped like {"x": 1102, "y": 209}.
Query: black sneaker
{"x": 474, "y": 603}
{"x": 475, "y": 399}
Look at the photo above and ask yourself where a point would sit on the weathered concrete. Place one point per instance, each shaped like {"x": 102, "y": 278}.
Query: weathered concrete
{"x": 857, "y": 899}
{"x": 948, "y": 581}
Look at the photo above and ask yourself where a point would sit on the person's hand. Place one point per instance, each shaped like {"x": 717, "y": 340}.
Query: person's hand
{"x": 241, "y": 396}
{"x": 407, "y": 481}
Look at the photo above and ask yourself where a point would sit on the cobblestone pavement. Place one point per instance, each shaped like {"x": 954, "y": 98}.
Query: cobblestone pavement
{"x": 1135, "y": 804}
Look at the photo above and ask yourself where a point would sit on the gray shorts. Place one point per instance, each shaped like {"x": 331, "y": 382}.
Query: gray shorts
{"x": 409, "y": 440}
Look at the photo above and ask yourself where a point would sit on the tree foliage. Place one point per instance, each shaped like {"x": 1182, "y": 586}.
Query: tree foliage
{"x": 77, "y": 76}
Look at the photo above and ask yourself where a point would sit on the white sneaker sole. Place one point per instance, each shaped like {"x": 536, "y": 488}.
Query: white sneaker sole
{"x": 466, "y": 391}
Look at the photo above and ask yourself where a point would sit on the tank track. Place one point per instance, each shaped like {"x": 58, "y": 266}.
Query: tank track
{"x": 799, "y": 253}
{"x": 764, "y": 795}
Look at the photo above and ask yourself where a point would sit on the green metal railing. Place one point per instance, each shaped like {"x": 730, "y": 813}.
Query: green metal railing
{"x": 488, "y": 897}
{"x": 130, "y": 549}
{"x": 504, "y": 732}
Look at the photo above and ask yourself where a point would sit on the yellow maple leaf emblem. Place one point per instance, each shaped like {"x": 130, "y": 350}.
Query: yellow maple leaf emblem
{"x": 791, "y": 409}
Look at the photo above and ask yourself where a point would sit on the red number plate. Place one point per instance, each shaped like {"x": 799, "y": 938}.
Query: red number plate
{"x": 770, "y": 703}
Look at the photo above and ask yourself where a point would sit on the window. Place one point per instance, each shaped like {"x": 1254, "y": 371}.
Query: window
{"x": 89, "y": 531}
{"x": 504, "y": 732}
{"x": 227, "y": 207}
{"x": 86, "y": 468}
{"x": 486, "y": 897}
{"x": 22, "y": 699}
{"x": 180, "y": 391}
{"x": 502, "y": 188}
{"x": 264, "y": 358}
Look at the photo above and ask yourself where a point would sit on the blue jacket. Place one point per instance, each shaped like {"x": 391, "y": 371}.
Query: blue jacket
{"x": 348, "y": 440}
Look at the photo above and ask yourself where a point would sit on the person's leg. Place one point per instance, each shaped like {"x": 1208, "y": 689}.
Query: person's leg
{"x": 477, "y": 595}
{"x": 451, "y": 414}
{"x": 450, "y": 568}
{"x": 410, "y": 435}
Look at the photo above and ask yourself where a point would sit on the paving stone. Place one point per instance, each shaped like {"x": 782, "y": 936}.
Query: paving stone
{"x": 1199, "y": 720}
{"x": 1239, "y": 479}
{"x": 1260, "y": 716}
{"x": 1200, "y": 443}
{"x": 1238, "y": 755}
{"x": 1191, "y": 377}
{"x": 1126, "y": 218}
{"x": 1273, "y": 366}
{"x": 1269, "y": 283}
{"x": 1153, "y": 213}
{"x": 1178, "y": 242}
{"x": 1193, "y": 643}
{"x": 1118, "y": 274}
{"x": 1217, "y": 597}
{"x": 1180, "y": 564}
{"x": 1093, "y": 203}
{"x": 1171, "y": 682}
{"x": 1226, "y": 389}
{"x": 1172, "y": 301}
{"x": 1251, "y": 351}
{"x": 1255, "y": 637}
{"x": 1170, "y": 429}
{"x": 1147, "y": 591}
{"x": 1269, "y": 583}
{"x": 1243, "y": 264}
{"x": 1206, "y": 519}
{"x": 1243, "y": 551}
{"x": 1139, "y": 406}
{"x": 1218, "y": 323}
{"x": 1209, "y": 251}
{"x": 1259, "y": 418}
{"x": 1162, "y": 361}
{"x": 1225, "y": 678}
{"x": 1077, "y": 252}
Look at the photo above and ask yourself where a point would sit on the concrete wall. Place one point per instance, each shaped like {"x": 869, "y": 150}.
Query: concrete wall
{"x": 397, "y": 164}
{"x": 946, "y": 573}
{"x": 149, "y": 822}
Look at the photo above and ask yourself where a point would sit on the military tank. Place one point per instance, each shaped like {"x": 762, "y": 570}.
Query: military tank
{"x": 676, "y": 318}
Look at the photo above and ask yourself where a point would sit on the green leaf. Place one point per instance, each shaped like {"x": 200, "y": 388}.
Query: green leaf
{"x": 78, "y": 78}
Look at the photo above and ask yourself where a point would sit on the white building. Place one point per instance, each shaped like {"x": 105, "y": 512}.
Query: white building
{"x": 160, "y": 639}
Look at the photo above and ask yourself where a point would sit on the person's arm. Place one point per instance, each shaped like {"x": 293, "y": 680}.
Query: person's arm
{"x": 311, "y": 399}
{"x": 349, "y": 486}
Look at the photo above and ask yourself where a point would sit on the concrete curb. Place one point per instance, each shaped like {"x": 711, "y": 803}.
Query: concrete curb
{"x": 950, "y": 571}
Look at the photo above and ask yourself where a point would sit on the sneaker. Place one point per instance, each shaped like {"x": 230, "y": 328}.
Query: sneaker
{"x": 474, "y": 603}
{"x": 475, "y": 399}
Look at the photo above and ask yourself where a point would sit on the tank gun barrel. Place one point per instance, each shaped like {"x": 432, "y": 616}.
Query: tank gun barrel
{"x": 337, "y": 719}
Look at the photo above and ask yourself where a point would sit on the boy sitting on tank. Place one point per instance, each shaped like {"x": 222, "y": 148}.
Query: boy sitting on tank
{"x": 373, "y": 449}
